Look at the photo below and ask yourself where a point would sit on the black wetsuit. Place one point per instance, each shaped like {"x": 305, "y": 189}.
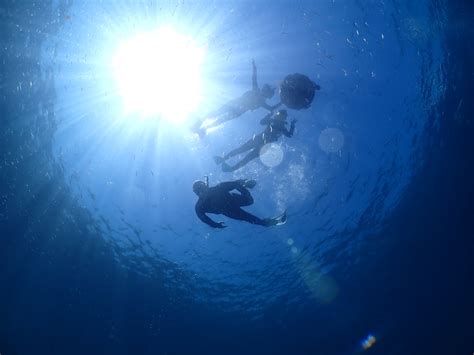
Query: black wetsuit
{"x": 275, "y": 128}
{"x": 220, "y": 200}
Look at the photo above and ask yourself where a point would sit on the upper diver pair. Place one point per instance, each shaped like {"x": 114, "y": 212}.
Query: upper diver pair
{"x": 251, "y": 100}
{"x": 219, "y": 199}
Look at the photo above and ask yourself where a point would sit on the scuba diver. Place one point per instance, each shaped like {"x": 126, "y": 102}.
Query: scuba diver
{"x": 220, "y": 200}
{"x": 249, "y": 101}
{"x": 276, "y": 126}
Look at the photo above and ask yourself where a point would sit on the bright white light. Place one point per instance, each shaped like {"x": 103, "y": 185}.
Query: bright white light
{"x": 271, "y": 155}
{"x": 368, "y": 342}
{"x": 159, "y": 73}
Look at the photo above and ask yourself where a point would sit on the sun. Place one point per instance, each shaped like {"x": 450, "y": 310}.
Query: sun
{"x": 158, "y": 73}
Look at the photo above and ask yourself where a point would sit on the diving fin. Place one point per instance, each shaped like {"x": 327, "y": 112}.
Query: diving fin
{"x": 277, "y": 221}
{"x": 281, "y": 219}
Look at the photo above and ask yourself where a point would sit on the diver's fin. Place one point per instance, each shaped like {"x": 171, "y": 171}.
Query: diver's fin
{"x": 276, "y": 221}
{"x": 281, "y": 219}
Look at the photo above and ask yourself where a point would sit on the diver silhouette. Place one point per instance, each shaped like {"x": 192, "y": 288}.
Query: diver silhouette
{"x": 276, "y": 126}
{"x": 220, "y": 200}
{"x": 249, "y": 101}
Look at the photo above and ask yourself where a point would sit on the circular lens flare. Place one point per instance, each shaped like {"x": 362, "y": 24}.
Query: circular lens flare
{"x": 271, "y": 155}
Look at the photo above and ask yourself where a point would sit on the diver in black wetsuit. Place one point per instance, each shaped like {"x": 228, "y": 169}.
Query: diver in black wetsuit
{"x": 220, "y": 200}
{"x": 276, "y": 126}
{"x": 249, "y": 101}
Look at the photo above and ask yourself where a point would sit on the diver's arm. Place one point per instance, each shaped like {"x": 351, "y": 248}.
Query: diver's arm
{"x": 203, "y": 217}
{"x": 254, "y": 76}
{"x": 267, "y": 106}
{"x": 230, "y": 185}
{"x": 276, "y": 106}
{"x": 289, "y": 133}
{"x": 266, "y": 120}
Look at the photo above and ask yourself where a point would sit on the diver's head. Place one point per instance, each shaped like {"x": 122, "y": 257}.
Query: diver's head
{"x": 199, "y": 187}
{"x": 281, "y": 115}
{"x": 268, "y": 91}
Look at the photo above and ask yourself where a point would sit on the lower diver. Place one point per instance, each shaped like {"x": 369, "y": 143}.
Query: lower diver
{"x": 220, "y": 200}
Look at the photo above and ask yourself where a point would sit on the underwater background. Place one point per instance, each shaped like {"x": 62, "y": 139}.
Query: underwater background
{"x": 100, "y": 248}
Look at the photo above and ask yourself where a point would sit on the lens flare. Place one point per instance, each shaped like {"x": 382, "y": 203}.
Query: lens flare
{"x": 368, "y": 342}
{"x": 271, "y": 155}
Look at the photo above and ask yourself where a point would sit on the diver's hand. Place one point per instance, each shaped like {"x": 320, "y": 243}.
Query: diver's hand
{"x": 248, "y": 183}
{"x": 241, "y": 182}
{"x": 221, "y": 225}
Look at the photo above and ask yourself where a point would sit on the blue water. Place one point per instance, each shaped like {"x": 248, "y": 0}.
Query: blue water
{"x": 101, "y": 251}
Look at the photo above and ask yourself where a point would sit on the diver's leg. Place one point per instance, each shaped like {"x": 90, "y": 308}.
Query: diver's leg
{"x": 250, "y": 144}
{"x": 227, "y": 116}
{"x": 242, "y": 149}
{"x": 241, "y": 215}
{"x": 224, "y": 114}
{"x": 254, "y": 153}
{"x": 221, "y": 118}
{"x": 203, "y": 124}
{"x": 244, "y": 198}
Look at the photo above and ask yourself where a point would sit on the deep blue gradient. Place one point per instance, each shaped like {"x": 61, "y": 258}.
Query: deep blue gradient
{"x": 100, "y": 250}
